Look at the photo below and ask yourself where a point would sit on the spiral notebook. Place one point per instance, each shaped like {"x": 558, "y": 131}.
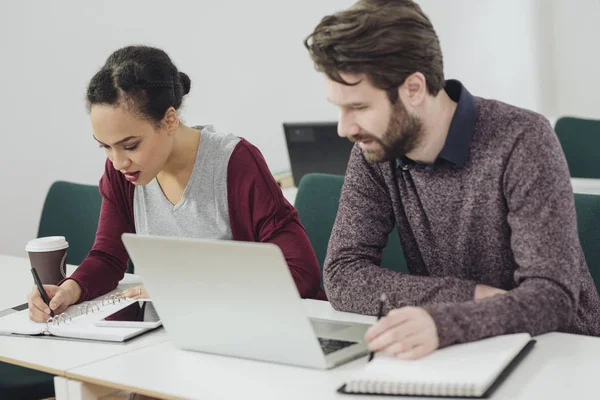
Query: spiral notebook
{"x": 77, "y": 322}
{"x": 465, "y": 370}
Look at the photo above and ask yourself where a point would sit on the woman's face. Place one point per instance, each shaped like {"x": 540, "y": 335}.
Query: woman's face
{"x": 137, "y": 147}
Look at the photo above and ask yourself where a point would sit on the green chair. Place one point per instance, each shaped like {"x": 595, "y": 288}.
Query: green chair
{"x": 24, "y": 384}
{"x": 580, "y": 141}
{"x": 588, "y": 226}
{"x": 72, "y": 210}
{"x": 317, "y": 203}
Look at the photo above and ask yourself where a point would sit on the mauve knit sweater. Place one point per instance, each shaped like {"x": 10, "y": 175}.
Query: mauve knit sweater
{"x": 506, "y": 219}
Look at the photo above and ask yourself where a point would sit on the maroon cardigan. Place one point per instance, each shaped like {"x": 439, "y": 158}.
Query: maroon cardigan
{"x": 258, "y": 212}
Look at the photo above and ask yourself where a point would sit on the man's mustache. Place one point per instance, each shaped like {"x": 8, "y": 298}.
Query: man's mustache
{"x": 361, "y": 137}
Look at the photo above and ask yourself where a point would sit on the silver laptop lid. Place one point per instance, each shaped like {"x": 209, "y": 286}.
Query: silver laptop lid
{"x": 226, "y": 297}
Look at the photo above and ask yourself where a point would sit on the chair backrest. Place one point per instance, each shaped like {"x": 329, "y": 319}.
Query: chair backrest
{"x": 22, "y": 383}
{"x": 317, "y": 204}
{"x": 72, "y": 210}
{"x": 580, "y": 141}
{"x": 588, "y": 227}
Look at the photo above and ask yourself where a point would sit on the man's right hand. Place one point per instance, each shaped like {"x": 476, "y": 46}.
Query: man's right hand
{"x": 484, "y": 291}
{"x": 60, "y": 297}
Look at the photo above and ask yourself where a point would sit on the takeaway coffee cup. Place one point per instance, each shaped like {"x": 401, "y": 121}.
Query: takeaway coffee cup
{"x": 48, "y": 255}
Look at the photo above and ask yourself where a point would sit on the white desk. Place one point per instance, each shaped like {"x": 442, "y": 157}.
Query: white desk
{"x": 290, "y": 194}
{"x": 184, "y": 374}
{"x": 55, "y": 355}
{"x": 560, "y": 366}
{"x": 587, "y": 186}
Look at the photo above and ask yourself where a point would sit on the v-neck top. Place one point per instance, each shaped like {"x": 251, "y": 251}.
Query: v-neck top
{"x": 202, "y": 212}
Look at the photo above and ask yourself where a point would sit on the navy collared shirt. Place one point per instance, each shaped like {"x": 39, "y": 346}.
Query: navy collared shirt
{"x": 460, "y": 133}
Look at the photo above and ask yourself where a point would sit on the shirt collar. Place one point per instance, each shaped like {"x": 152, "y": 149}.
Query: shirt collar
{"x": 460, "y": 133}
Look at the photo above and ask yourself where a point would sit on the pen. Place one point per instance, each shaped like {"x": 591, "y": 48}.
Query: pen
{"x": 43, "y": 293}
{"x": 382, "y": 300}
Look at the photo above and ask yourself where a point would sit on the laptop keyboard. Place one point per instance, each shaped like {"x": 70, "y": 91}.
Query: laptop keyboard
{"x": 331, "y": 345}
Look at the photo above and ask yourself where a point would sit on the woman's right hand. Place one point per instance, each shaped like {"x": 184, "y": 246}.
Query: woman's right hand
{"x": 60, "y": 298}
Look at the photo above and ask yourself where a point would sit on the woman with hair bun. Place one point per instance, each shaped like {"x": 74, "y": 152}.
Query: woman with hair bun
{"x": 164, "y": 178}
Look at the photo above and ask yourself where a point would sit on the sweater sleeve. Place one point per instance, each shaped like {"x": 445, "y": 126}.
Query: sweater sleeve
{"x": 545, "y": 245}
{"x": 259, "y": 212}
{"x": 352, "y": 274}
{"x": 106, "y": 263}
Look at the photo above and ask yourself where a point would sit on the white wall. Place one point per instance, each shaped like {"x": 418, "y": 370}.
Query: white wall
{"x": 249, "y": 71}
{"x": 576, "y": 57}
{"x": 491, "y": 48}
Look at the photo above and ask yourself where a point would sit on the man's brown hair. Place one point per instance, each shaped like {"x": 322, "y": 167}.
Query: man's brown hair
{"x": 387, "y": 40}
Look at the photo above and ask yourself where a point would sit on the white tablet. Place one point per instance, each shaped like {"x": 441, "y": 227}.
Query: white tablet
{"x": 139, "y": 314}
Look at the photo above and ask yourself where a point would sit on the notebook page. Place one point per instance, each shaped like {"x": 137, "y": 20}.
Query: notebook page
{"x": 20, "y": 323}
{"x": 82, "y": 325}
{"x": 87, "y": 330}
{"x": 477, "y": 364}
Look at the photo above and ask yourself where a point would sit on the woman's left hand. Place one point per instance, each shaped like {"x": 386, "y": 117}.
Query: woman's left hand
{"x": 136, "y": 293}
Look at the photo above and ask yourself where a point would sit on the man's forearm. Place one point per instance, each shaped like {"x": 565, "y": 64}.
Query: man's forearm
{"x": 535, "y": 307}
{"x": 356, "y": 286}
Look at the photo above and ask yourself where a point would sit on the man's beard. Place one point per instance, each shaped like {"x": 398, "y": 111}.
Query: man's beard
{"x": 402, "y": 136}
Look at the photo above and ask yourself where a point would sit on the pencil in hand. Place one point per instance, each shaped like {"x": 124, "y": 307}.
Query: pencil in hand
{"x": 382, "y": 300}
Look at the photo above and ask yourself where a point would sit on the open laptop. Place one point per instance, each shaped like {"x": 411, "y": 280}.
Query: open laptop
{"x": 316, "y": 147}
{"x": 237, "y": 299}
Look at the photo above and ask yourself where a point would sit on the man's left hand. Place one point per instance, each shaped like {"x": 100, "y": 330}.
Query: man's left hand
{"x": 406, "y": 333}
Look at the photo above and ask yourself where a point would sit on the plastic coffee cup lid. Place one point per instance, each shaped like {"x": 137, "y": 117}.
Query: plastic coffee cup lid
{"x": 50, "y": 243}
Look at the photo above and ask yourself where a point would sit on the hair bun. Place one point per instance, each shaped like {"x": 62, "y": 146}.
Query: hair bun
{"x": 186, "y": 83}
{"x": 129, "y": 77}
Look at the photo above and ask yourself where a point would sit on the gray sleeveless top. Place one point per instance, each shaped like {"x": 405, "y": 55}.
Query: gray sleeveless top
{"x": 202, "y": 212}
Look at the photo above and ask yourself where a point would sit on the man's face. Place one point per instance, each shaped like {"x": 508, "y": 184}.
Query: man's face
{"x": 383, "y": 131}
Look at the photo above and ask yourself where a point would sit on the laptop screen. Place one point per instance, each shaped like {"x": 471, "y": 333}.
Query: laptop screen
{"x": 315, "y": 147}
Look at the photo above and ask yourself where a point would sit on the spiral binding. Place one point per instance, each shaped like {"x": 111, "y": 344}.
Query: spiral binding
{"x": 83, "y": 309}
{"x": 412, "y": 388}
{"x": 113, "y": 299}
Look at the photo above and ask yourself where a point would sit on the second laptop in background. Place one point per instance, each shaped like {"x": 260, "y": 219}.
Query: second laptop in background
{"x": 315, "y": 147}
